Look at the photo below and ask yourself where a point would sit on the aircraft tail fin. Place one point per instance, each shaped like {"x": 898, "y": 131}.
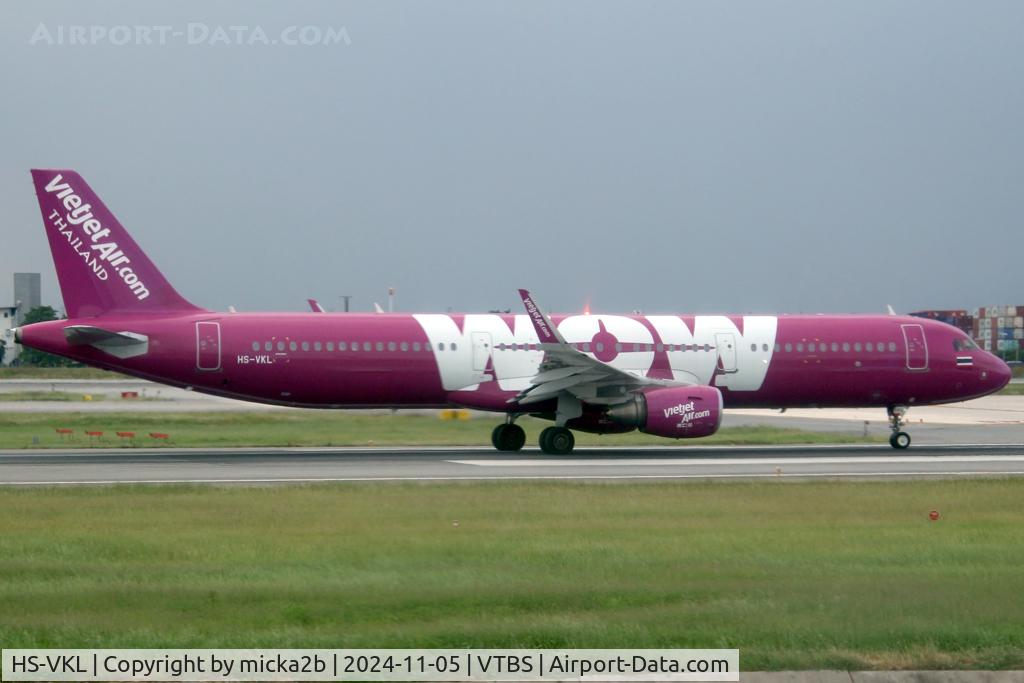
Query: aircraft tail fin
{"x": 99, "y": 266}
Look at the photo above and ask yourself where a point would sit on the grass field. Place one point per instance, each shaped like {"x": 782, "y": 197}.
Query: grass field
{"x": 796, "y": 575}
{"x": 62, "y": 396}
{"x": 29, "y": 372}
{"x": 332, "y": 428}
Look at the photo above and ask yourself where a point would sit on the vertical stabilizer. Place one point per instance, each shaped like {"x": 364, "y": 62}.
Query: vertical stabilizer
{"x": 100, "y": 267}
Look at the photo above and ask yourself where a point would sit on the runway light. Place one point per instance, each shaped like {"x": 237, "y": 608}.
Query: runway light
{"x": 933, "y": 515}
{"x": 455, "y": 524}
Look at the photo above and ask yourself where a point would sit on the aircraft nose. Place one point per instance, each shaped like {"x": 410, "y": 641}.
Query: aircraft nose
{"x": 1000, "y": 372}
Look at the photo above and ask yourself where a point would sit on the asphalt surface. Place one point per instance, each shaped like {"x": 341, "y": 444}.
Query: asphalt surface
{"x": 296, "y": 465}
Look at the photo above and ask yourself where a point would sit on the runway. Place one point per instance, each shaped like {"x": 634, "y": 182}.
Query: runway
{"x": 306, "y": 465}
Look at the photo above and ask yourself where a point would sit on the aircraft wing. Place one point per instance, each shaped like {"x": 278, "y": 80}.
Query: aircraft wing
{"x": 567, "y": 369}
{"x": 119, "y": 344}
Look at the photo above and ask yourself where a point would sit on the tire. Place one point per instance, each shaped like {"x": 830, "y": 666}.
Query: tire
{"x": 497, "y": 436}
{"x": 557, "y": 441}
{"x": 515, "y": 438}
{"x": 900, "y": 440}
{"x": 508, "y": 437}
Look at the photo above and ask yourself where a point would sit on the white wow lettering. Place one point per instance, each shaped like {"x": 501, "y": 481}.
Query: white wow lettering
{"x": 94, "y": 254}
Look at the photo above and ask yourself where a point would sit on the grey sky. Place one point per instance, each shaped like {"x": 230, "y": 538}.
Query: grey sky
{"x": 684, "y": 156}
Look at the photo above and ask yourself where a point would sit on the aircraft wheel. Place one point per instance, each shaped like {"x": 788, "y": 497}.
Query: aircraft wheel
{"x": 508, "y": 437}
{"x": 557, "y": 441}
{"x": 899, "y": 440}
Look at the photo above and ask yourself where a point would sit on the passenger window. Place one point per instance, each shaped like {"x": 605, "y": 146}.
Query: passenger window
{"x": 355, "y": 346}
{"x": 599, "y": 346}
{"x": 292, "y": 346}
{"x": 707, "y": 348}
{"x": 778, "y": 347}
{"x": 317, "y": 346}
{"x": 392, "y": 346}
{"x": 440, "y": 346}
{"x": 800, "y": 347}
{"x": 455, "y": 347}
{"x": 427, "y": 347}
{"x": 330, "y": 346}
{"x": 367, "y": 346}
{"x": 415, "y": 346}
{"x": 869, "y": 347}
{"x": 856, "y": 347}
{"x": 405, "y": 346}
{"x": 267, "y": 346}
{"x": 305, "y": 346}
{"x": 846, "y": 347}
{"x": 892, "y": 346}
{"x": 379, "y": 346}
{"x": 255, "y": 346}
{"x": 789, "y": 347}
{"x": 835, "y": 347}
{"x": 822, "y": 347}
{"x": 280, "y": 346}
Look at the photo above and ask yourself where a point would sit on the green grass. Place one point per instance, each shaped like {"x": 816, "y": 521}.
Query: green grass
{"x": 1013, "y": 390}
{"x": 332, "y": 428}
{"x": 46, "y": 396}
{"x": 30, "y": 372}
{"x": 797, "y": 576}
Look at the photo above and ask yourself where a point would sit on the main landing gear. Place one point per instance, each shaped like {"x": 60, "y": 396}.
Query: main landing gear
{"x": 899, "y": 438}
{"x": 508, "y": 437}
{"x": 557, "y": 441}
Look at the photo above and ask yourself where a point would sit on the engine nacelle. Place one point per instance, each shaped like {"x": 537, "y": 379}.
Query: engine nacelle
{"x": 673, "y": 412}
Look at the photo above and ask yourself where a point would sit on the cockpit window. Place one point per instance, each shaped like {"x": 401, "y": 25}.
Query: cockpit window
{"x": 965, "y": 344}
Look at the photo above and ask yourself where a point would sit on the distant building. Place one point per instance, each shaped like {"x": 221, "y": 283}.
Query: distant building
{"x": 27, "y": 293}
{"x": 7, "y": 323}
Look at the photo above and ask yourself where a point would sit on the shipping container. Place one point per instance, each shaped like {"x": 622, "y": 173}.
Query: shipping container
{"x": 1018, "y": 321}
{"x": 1006, "y": 333}
{"x": 1018, "y": 333}
{"x": 1000, "y": 322}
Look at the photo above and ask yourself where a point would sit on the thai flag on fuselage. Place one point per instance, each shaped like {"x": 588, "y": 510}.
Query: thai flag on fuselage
{"x": 962, "y": 361}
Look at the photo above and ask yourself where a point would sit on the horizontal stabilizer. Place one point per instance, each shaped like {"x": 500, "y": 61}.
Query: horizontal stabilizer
{"x": 119, "y": 344}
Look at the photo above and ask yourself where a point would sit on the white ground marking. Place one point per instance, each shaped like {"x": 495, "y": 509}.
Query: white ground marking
{"x": 631, "y": 462}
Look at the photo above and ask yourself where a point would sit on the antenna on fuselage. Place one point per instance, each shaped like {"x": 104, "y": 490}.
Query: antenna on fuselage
{"x": 889, "y": 308}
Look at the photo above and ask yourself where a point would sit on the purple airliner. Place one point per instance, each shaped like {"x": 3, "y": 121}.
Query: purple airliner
{"x": 669, "y": 375}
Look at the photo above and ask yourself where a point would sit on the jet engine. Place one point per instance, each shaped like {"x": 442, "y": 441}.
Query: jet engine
{"x": 673, "y": 412}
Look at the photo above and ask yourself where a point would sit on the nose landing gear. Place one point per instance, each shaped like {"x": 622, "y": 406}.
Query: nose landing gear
{"x": 899, "y": 439}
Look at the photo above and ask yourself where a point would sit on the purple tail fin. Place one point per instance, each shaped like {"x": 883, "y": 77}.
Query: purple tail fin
{"x": 100, "y": 267}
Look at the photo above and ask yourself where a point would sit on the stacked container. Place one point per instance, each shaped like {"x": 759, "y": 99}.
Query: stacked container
{"x": 1000, "y": 328}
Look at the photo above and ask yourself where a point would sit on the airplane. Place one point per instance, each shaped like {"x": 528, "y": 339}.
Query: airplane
{"x": 667, "y": 375}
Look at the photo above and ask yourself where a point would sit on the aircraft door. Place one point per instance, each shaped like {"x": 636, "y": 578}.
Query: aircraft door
{"x": 917, "y": 347}
{"x": 208, "y": 346}
{"x": 481, "y": 350}
{"x": 726, "y": 343}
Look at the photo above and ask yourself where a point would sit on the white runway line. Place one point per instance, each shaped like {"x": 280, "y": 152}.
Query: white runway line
{"x": 631, "y": 462}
